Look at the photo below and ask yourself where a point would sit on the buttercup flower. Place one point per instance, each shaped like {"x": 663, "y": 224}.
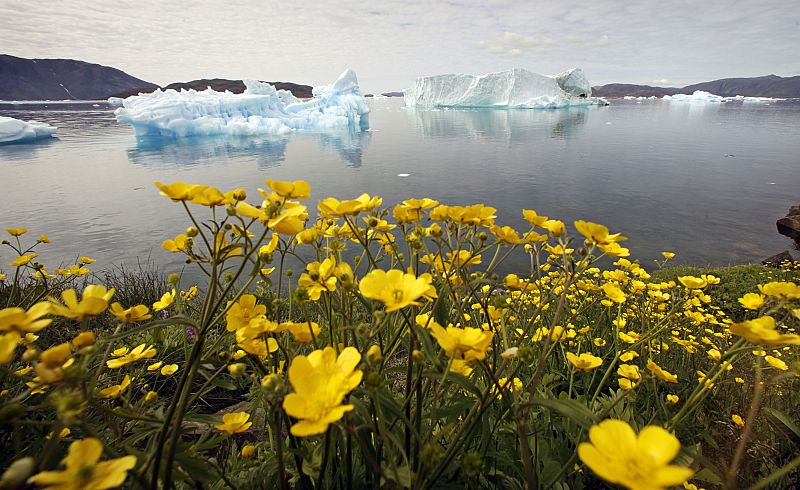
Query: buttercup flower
{"x": 165, "y": 301}
{"x": 116, "y": 390}
{"x": 467, "y": 344}
{"x": 320, "y": 381}
{"x": 585, "y": 362}
{"x": 233, "y": 423}
{"x": 139, "y": 352}
{"x": 299, "y": 189}
{"x": 763, "y": 331}
{"x": 169, "y": 369}
{"x": 83, "y": 471}
{"x": 738, "y": 420}
{"x": 303, "y": 332}
{"x": 783, "y": 290}
{"x": 243, "y": 311}
{"x": 22, "y": 321}
{"x": 639, "y": 462}
{"x": 395, "y": 288}
{"x": 660, "y": 373}
{"x": 752, "y": 301}
{"x": 16, "y": 231}
{"x": 94, "y": 300}
{"x": 136, "y": 313}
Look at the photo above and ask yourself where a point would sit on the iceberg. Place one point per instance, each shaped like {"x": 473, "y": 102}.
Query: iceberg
{"x": 16, "y": 131}
{"x": 516, "y": 88}
{"x": 698, "y": 96}
{"x": 260, "y": 110}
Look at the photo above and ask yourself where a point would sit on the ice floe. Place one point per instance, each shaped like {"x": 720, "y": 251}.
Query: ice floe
{"x": 16, "y": 131}
{"x": 261, "y": 109}
{"x": 516, "y": 88}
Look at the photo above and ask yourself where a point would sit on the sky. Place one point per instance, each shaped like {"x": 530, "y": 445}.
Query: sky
{"x": 390, "y": 42}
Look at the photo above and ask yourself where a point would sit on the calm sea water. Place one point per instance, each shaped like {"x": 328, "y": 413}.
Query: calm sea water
{"x": 706, "y": 181}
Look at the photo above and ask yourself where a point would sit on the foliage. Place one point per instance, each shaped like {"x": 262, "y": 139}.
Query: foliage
{"x": 399, "y": 357}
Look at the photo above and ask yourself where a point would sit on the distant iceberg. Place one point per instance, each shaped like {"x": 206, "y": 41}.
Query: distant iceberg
{"x": 260, "y": 110}
{"x": 16, "y": 131}
{"x": 516, "y": 88}
{"x": 698, "y": 96}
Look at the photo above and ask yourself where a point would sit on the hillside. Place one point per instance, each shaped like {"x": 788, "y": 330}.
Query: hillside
{"x": 220, "y": 85}
{"x": 60, "y": 79}
{"x": 766, "y": 86}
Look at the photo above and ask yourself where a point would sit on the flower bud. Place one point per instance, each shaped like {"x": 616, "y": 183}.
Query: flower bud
{"x": 83, "y": 339}
{"x": 230, "y": 210}
{"x": 174, "y": 279}
{"x": 373, "y": 380}
{"x": 248, "y": 451}
{"x": 417, "y": 356}
{"x": 30, "y": 354}
{"x": 374, "y": 354}
{"x": 150, "y": 397}
{"x": 17, "y": 473}
{"x": 192, "y": 232}
{"x": 237, "y": 369}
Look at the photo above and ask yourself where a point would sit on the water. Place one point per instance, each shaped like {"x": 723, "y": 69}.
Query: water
{"x": 706, "y": 181}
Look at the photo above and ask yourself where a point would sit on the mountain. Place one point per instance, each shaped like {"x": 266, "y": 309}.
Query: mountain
{"x": 59, "y": 79}
{"x": 220, "y": 85}
{"x": 767, "y": 86}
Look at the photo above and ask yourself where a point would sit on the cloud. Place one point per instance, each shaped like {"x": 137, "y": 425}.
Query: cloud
{"x": 389, "y": 42}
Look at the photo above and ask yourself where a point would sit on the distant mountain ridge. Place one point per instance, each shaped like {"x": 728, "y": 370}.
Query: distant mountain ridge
{"x": 60, "y": 79}
{"x": 766, "y": 86}
{"x": 220, "y": 85}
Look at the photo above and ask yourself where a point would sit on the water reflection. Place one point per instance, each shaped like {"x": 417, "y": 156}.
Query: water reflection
{"x": 23, "y": 152}
{"x": 500, "y": 125}
{"x": 268, "y": 151}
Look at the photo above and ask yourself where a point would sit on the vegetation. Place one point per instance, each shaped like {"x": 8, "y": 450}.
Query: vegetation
{"x": 398, "y": 358}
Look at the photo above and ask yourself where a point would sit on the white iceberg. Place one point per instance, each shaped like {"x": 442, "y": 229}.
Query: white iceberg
{"x": 260, "y": 110}
{"x": 699, "y": 96}
{"x": 516, "y": 88}
{"x": 751, "y": 100}
{"x": 16, "y": 131}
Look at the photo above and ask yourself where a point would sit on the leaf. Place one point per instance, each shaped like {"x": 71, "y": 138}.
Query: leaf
{"x": 783, "y": 424}
{"x": 572, "y": 409}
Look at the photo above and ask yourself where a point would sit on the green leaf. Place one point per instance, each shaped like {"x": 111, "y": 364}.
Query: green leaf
{"x": 782, "y": 423}
{"x": 572, "y": 409}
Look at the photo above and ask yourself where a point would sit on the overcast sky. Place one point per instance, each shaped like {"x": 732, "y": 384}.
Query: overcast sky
{"x": 390, "y": 42}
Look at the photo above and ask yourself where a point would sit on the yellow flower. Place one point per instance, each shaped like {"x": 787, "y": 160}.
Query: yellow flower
{"x": 19, "y": 320}
{"x": 291, "y": 220}
{"x": 299, "y": 189}
{"x": 555, "y": 227}
{"x": 618, "y": 455}
{"x": 139, "y": 352}
{"x": 83, "y": 339}
{"x": 236, "y": 422}
{"x": 8, "y": 344}
{"x": 136, "y": 313}
{"x": 673, "y": 399}
{"x": 467, "y": 344}
{"x": 94, "y": 300}
{"x": 321, "y": 380}
{"x": 533, "y": 218}
{"x": 628, "y": 355}
{"x": 396, "y": 289}
{"x": 86, "y": 260}
{"x": 179, "y": 191}
{"x": 44, "y": 239}
{"x": 150, "y": 397}
{"x": 169, "y": 369}
{"x": 242, "y": 312}
{"x": 304, "y": 332}
{"x": 738, "y": 420}
{"x": 584, "y": 362}
{"x": 668, "y": 255}
{"x": 319, "y": 277}
{"x": 783, "y": 290}
{"x": 116, "y": 390}
{"x": 692, "y": 282}
{"x": 334, "y": 207}
{"x": 165, "y": 301}
{"x": 155, "y": 366}
{"x": 23, "y": 259}
{"x": 16, "y": 231}
{"x": 613, "y": 292}
{"x": 660, "y": 373}
{"x": 597, "y": 234}
{"x": 776, "y": 363}
{"x": 763, "y": 331}
{"x": 752, "y": 301}
{"x": 248, "y": 451}
{"x": 176, "y": 245}
{"x": 84, "y": 471}
{"x": 629, "y": 371}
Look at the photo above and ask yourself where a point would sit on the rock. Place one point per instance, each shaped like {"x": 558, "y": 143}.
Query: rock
{"x": 778, "y": 259}
{"x": 790, "y": 224}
